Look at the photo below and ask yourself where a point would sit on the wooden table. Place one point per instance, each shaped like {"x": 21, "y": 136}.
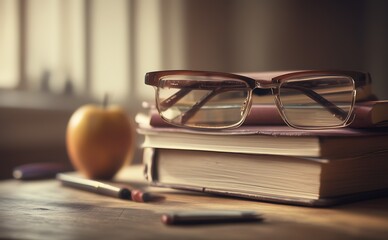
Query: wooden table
{"x": 46, "y": 210}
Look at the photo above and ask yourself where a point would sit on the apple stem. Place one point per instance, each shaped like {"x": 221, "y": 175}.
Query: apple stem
{"x": 105, "y": 102}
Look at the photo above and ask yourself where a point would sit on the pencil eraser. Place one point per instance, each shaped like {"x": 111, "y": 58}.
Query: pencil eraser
{"x": 167, "y": 219}
{"x": 139, "y": 196}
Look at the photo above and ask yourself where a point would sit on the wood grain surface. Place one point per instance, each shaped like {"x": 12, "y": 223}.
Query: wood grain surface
{"x": 47, "y": 210}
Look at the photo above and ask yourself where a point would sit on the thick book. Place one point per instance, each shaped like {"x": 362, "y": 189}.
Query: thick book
{"x": 314, "y": 182}
{"x": 274, "y": 140}
{"x": 367, "y": 114}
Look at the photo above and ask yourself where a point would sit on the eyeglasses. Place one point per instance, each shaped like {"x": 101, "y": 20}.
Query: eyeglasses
{"x": 214, "y": 100}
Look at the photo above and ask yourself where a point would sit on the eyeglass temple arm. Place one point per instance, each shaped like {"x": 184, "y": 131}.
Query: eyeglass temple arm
{"x": 170, "y": 101}
{"x": 334, "y": 109}
{"x": 174, "y": 98}
{"x": 194, "y": 109}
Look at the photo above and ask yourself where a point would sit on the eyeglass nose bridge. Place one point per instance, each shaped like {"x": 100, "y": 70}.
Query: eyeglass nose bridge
{"x": 263, "y": 88}
{"x": 262, "y": 84}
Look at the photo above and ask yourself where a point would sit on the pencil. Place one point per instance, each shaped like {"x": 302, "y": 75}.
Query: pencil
{"x": 210, "y": 216}
{"x": 103, "y": 188}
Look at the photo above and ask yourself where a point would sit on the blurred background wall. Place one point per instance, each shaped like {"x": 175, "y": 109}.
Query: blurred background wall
{"x": 58, "y": 54}
{"x": 89, "y": 47}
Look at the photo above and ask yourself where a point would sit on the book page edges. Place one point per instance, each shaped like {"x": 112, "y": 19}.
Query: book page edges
{"x": 320, "y": 202}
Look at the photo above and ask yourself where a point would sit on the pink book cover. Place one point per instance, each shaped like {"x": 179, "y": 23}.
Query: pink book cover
{"x": 269, "y": 115}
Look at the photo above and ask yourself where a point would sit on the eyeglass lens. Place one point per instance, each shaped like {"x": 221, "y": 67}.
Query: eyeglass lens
{"x": 206, "y": 102}
{"x": 324, "y": 101}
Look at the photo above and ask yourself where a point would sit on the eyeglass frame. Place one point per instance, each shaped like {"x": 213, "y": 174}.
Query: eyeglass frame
{"x": 358, "y": 80}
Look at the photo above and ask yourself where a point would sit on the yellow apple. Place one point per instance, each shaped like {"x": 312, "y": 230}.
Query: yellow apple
{"x": 99, "y": 140}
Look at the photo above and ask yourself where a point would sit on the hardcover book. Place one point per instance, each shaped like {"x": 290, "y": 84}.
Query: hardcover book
{"x": 274, "y": 140}
{"x": 317, "y": 182}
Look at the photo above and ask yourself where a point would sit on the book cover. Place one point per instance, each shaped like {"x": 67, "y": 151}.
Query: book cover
{"x": 368, "y": 114}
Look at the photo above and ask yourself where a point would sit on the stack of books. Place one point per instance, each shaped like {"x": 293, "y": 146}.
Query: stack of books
{"x": 269, "y": 161}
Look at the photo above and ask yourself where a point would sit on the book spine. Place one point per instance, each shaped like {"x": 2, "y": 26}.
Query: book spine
{"x": 149, "y": 163}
